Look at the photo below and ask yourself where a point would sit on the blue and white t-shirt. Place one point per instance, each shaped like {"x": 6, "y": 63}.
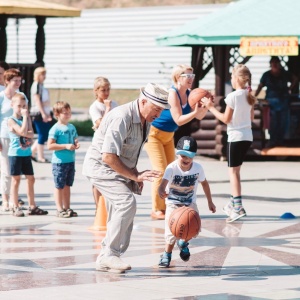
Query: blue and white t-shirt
{"x": 182, "y": 186}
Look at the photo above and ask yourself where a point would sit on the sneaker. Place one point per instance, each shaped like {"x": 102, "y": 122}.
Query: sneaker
{"x": 17, "y": 212}
{"x": 228, "y": 208}
{"x": 184, "y": 250}
{"x": 235, "y": 215}
{"x": 165, "y": 260}
{"x": 112, "y": 264}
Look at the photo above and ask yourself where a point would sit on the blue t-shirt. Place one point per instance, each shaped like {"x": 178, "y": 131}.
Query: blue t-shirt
{"x": 165, "y": 121}
{"x": 19, "y": 145}
{"x": 63, "y": 134}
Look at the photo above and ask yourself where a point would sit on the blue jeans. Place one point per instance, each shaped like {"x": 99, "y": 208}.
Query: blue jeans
{"x": 278, "y": 119}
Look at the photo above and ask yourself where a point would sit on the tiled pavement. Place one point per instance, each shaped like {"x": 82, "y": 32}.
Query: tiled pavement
{"x": 258, "y": 257}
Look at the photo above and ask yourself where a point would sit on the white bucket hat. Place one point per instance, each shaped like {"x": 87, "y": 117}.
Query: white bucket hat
{"x": 156, "y": 94}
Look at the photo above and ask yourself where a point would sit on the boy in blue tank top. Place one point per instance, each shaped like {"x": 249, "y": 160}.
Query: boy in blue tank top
{"x": 63, "y": 140}
{"x": 19, "y": 154}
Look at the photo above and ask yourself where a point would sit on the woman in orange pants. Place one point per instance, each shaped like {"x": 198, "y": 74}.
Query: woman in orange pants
{"x": 160, "y": 145}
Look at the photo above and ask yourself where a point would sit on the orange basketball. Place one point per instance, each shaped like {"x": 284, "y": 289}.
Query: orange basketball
{"x": 196, "y": 95}
{"x": 184, "y": 223}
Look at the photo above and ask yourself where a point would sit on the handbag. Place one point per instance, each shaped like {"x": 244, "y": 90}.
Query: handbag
{"x": 36, "y": 116}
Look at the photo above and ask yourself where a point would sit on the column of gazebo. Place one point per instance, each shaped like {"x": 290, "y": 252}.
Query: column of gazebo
{"x": 39, "y": 40}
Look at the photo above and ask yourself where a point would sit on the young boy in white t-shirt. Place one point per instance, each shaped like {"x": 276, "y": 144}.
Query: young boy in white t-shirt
{"x": 102, "y": 105}
{"x": 179, "y": 187}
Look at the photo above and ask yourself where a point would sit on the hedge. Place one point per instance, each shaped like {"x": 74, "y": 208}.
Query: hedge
{"x": 84, "y": 128}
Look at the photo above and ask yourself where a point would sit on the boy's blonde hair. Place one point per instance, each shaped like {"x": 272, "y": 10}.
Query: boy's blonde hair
{"x": 179, "y": 70}
{"x": 17, "y": 96}
{"x": 59, "y": 106}
{"x": 37, "y": 72}
{"x": 243, "y": 76}
{"x": 100, "y": 82}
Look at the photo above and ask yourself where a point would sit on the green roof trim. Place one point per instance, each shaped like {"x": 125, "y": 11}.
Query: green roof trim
{"x": 251, "y": 18}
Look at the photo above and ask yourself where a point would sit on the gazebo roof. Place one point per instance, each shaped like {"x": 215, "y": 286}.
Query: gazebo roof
{"x": 243, "y": 18}
{"x": 27, "y": 8}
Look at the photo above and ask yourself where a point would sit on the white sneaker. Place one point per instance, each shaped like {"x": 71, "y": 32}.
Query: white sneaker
{"x": 235, "y": 215}
{"x": 112, "y": 264}
{"x": 228, "y": 208}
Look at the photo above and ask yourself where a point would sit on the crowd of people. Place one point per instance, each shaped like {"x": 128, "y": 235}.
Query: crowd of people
{"x": 110, "y": 163}
{"x": 18, "y": 148}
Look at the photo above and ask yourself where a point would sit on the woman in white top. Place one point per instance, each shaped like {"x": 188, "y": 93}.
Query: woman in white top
{"x": 12, "y": 81}
{"x": 98, "y": 109}
{"x": 41, "y": 114}
{"x": 238, "y": 115}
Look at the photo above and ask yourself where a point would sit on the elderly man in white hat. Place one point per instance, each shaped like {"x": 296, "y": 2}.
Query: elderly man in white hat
{"x": 110, "y": 165}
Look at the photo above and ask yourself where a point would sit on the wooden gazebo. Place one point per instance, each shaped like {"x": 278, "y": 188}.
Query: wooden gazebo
{"x": 40, "y": 10}
{"x": 215, "y": 40}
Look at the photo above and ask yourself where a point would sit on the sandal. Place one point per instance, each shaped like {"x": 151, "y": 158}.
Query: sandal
{"x": 17, "y": 212}
{"x": 71, "y": 213}
{"x": 21, "y": 202}
{"x": 6, "y": 209}
{"x": 37, "y": 211}
{"x": 43, "y": 161}
{"x": 62, "y": 214}
{"x": 5, "y": 206}
{"x": 33, "y": 158}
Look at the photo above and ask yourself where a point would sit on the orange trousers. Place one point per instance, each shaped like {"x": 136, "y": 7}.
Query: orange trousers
{"x": 161, "y": 151}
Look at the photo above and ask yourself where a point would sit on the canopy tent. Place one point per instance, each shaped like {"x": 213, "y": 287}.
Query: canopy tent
{"x": 242, "y": 18}
{"x": 223, "y": 29}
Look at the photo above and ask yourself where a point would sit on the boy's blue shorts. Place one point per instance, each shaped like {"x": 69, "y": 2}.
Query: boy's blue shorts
{"x": 63, "y": 174}
{"x": 20, "y": 165}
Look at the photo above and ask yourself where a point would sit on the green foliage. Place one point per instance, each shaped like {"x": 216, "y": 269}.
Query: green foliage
{"x": 84, "y": 128}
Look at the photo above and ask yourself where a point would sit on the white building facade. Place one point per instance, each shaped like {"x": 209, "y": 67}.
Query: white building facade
{"x": 116, "y": 43}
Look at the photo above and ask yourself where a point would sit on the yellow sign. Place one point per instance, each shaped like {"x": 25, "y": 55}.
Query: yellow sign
{"x": 273, "y": 46}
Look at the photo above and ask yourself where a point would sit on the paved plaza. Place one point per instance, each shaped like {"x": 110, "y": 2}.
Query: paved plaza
{"x": 258, "y": 257}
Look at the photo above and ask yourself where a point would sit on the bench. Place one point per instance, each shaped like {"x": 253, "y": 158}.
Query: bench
{"x": 281, "y": 151}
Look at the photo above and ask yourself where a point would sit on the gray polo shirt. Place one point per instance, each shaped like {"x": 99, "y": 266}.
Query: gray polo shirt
{"x": 120, "y": 133}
